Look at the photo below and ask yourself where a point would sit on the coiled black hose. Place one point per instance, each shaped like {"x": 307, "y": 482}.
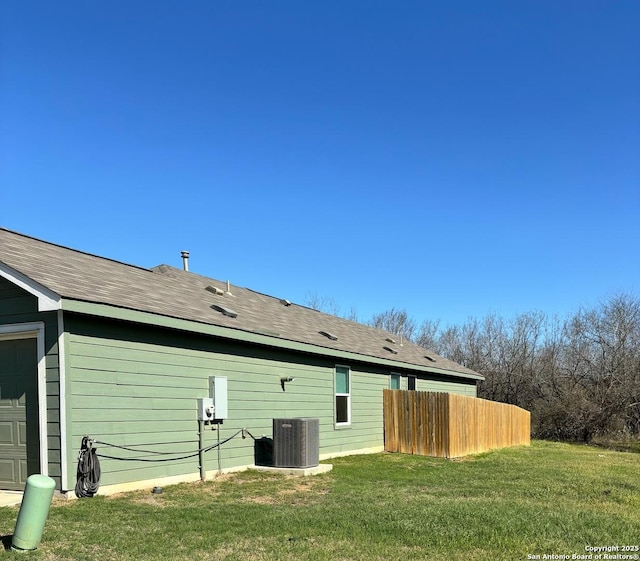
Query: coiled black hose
{"x": 88, "y": 474}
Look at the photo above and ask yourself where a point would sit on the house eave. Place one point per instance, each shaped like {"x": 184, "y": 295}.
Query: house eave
{"x": 169, "y": 322}
{"x": 47, "y": 299}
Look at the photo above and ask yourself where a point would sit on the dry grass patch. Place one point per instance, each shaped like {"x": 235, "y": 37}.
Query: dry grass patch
{"x": 292, "y": 491}
{"x": 150, "y": 499}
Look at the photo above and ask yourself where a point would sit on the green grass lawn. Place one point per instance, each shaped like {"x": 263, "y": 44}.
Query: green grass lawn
{"x": 510, "y": 504}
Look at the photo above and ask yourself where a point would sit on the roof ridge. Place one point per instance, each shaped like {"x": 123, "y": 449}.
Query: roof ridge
{"x": 162, "y": 270}
{"x": 75, "y": 250}
{"x": 278, "y": 298}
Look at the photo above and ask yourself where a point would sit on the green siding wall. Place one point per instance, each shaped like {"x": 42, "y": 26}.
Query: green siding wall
{"x": 439, "y": 383}
{"x": 18, "y": 306}
{"x": 141, "y": 392}
{"x": 137, "y": 387}
{"x": 425, "y": 385}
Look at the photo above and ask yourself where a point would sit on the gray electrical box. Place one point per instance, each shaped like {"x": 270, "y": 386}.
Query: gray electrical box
{"x": 205, "y": 409}
{"x": 218, "y": 392}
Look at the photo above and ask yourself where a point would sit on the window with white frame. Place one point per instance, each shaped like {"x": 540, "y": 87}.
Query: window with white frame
{"x": 343, "y": 395}
{"x": 394, "y": 382}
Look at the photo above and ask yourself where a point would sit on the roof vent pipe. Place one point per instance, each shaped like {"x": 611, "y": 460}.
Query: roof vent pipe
{"x": 185, "y": 260}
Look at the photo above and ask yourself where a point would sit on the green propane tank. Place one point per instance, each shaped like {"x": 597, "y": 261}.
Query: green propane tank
{"x": 34, "y": 510}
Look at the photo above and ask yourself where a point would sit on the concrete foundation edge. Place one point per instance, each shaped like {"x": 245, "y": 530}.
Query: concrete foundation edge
{"x": 301, "y": 472}
{"x": 193, "y": 477}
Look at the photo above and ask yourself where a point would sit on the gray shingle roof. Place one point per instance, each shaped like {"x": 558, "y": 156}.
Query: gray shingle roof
{"x": 172, "y": 292}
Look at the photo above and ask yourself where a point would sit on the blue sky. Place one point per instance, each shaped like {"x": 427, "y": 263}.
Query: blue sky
{"x": 450, "y": 158}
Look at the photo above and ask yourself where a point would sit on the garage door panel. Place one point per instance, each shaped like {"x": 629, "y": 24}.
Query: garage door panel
{"x": 7, "y": 472}
{"x": 6, "y": 433}
{"x": 6, "y": 402}
{"x": 23, "y": 472}
{"x": 22, "y": 433}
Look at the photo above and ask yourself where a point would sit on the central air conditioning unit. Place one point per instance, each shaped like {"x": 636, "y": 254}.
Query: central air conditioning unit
{"x": 296, "y": 442}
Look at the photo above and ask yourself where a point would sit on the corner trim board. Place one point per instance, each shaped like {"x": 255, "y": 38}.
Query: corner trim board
{"x": 62, "y": 376}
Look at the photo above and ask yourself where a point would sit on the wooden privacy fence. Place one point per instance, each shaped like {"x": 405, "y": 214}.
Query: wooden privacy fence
{"x": 448, "y": 425}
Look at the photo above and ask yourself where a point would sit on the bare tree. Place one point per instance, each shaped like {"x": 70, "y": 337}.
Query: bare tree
{"x": 580, "y": 376}
{"x": 352, "y": 315}
{"x": 450, "y": 345}
{"x": 329, "y": 305}
{"x": 326, "y": 304}
{"x": 427, "y": 336}
{"x": 601, "y": 363}
{"x": 395, "y": 321}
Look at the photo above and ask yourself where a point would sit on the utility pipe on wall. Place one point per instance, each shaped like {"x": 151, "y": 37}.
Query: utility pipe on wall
{"x": 201, "y": 449}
